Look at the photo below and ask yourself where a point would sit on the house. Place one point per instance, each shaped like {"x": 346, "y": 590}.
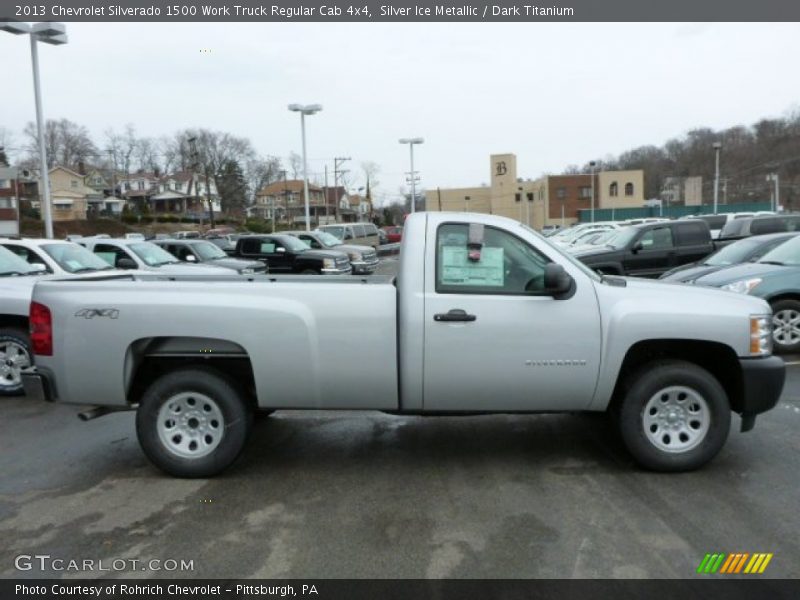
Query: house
{"x": 69, "y": 196}
{"x": 286, "y": 201}
{"x": 9, "y": 201}
{"x": 182, "y": 192}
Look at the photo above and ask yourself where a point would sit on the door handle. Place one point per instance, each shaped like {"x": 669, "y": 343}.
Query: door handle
{"x": 454, "y": 315}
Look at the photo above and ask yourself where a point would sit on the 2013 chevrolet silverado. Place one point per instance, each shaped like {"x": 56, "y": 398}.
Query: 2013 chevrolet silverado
{"x": 485, "y": 316}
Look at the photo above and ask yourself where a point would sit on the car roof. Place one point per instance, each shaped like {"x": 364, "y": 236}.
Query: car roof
{"x": 34, "y": 241}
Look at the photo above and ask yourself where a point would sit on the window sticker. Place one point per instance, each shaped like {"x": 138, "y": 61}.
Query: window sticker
{"x": 457, "y": 269}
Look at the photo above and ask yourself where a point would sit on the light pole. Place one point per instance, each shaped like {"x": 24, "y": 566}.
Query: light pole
{"x": 776, "y": 194}
{"x": 307, "y": 109}
{"x": 717, "y": 147}
{"x": 591, "y": 168}
{"x": 411, "y": 142}
{"x": 49, "y": 33}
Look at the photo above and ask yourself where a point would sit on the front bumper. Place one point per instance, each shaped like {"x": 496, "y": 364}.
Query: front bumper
{"x": 37, "y": 385}
{"x": 762, "y": 384}
{"x": 338, "y": 271}
{"x": 365, "y": 267}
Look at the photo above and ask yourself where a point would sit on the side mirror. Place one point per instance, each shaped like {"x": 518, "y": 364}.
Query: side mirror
{"x": 556, "y": 280}
{"x": 637, "y": 247}
{"x": 38, "y": 267}
{"x": 191, "y": 258}
{"x": 126, "y": 263}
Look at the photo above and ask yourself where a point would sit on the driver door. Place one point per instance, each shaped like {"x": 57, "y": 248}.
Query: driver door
{"x": 512, "y": 345}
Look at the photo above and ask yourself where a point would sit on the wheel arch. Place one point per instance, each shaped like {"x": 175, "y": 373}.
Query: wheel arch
{"x": 718, "y": 359}
{"x": 14, "y": 322}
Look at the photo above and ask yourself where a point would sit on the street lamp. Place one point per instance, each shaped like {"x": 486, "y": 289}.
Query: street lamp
{"x": 411, "y": 142}
{"x": 49, "y": 33}
{"x": 591, "y": 168}
{"x": 305, "y": 109}
{"x": 717, "y": 147}
{"x": 776, "y": 194}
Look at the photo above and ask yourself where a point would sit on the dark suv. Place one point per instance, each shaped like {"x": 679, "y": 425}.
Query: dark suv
{"x": 287, "y": 254}
{"x": 650, "y": 249}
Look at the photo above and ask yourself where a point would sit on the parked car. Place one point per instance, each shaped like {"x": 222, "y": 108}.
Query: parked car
{"x": 597, "y": 239}
{"x": 716, "y": 223}
{"x": 134, "y": 236}
{"x": 566, "y": 236}
{"x": 226, "y": 243}
{"x": 146, "y": 256}
{"x": 759, "y": 225}
{"x": 286, "y": 254}
{"x": 203, "y": 251}
{"x": 186, "y": 235}
{"x": 364, "y": 259}
{"x": 382, "y": 237}
{"x": 775, "y": 277}
{"x": 364, "y": 234}
{"x": 394, "y": 233}
{"x": 650, "y": 249}
{"x": 670, "y": 362}
{"x": 741, "y": 251}
{"x": 54, "y": 256}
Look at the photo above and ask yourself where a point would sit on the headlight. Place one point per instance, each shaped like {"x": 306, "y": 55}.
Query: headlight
{"x": 742, "y": 287}
{"x": 760, "y": 335}
{"x": 356, "y": 257}
{"x": 329, "y": 263}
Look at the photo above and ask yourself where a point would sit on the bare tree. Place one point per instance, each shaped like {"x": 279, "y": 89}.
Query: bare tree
{"x": 66, "y": 143}
{"x": 295, "y": 164}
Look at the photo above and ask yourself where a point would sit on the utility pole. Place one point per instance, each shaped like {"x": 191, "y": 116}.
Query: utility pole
{"x": 776, "y": 193}
{"x": 195, "y": 179}
{"x": 591, "y": 166}
{"x": 717, "y": 147}
{"x": 285, "y": 193}
{"x": 337, "y": 161}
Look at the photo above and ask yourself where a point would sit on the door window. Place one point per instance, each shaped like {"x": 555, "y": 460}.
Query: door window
{"x": 657, "y": 239}
{"x": 506, "y": 265}
{"x": 110, "y": 254}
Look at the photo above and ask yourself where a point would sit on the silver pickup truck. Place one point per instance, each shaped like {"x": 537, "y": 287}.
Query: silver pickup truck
{"x": 485, "y": 316}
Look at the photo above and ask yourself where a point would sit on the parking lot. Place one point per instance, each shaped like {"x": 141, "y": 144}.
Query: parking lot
{"x": 370, "y": 495}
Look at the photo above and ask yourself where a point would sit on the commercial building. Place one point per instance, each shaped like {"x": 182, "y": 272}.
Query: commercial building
{"x": 549, "y": 200}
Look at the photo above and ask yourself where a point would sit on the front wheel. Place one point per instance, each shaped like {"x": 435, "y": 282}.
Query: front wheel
{"x": 193, "y": 422}
{"x": 674, "y": 416}
{"x": 786, "y": 326}
{"x": 15, "y": 355}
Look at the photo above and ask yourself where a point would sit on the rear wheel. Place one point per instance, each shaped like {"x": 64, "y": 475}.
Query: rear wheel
{"x": 15, "y": 355}
{"x": 674, "y": 416}
{"x": 193, "y": 422}
{"x": 786, "y": 326}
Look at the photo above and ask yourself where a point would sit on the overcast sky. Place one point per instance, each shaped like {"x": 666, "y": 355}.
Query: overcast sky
{"x": 553, "y": 94}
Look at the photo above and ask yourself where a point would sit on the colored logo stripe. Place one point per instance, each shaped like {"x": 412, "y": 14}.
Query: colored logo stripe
{"x": 740, "y": 562}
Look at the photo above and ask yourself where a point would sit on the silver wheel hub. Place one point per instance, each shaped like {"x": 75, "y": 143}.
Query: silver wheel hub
{"x": 676, "y": 419}
{"x": 190, "y": 425}
{"x": 13, "y": 358}
{"x": 786, "y": 327}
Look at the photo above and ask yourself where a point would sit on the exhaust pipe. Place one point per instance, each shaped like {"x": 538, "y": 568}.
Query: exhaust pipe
{"x": 93, "y": 413}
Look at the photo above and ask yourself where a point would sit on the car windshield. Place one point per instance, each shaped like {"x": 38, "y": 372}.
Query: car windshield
{"x": 75, "y": 259}
{"x": 208, "y": 251}
{"x": 605, "y": 237}
{"x": 335, "y": 231}
{"x": 732, "y": 254}
{"x": 622, "y": 238}
{"x": 152, "y": 255}
{"x": 328, "y": 240}
{"x": 785, "y": 254}
{"x": 293, "y": 244}
{"x": 11, "y": 264}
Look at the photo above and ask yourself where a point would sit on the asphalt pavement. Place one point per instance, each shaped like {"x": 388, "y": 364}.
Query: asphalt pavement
{"x": 352, "y": 494}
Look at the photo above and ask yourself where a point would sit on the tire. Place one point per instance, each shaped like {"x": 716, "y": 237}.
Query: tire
{"x": 15, "y": 355}
{"x": 691, "y": 421}
{"x": 786, "y": 326}
{"x": 193, "y": 422}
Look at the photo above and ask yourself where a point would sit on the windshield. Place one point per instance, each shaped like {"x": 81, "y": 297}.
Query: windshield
{"x": 605, "y": 237}
{"x": 208, "y": 251}
{"x": 75, "y": 259}
{"x": 335, "y": 231}
{"x": 621, "y": 240}
{"x": 328, "y": 240}
{"x": 562, "y": 253}
{"x": 293, "y": 244}
{"x": 785, "y": 254}
{"x": 11, "y": 264}
{"x": 732, "y": 254}
{"x": 152, "y": 255}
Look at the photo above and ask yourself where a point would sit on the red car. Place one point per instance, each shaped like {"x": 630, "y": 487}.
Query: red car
{"x": 394, "y": 233}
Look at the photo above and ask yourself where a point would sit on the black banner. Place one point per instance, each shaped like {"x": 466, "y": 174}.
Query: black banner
{"x": 734, "y": 588}
{"x": 417, "y": 11}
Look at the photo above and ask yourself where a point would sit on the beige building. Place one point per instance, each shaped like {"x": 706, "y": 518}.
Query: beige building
{"x": 549, "y": 200}
{"x": 69, "y": 195}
